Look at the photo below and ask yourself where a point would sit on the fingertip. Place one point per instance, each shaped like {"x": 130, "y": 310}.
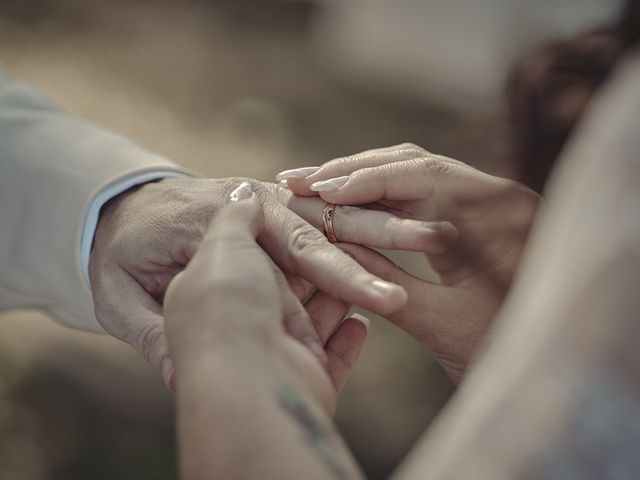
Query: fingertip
{"x": 361, "y": 319}
{"x": 352, "y": 332}
{"x": 297, "y": 173}
{"x": 440, "y": 237}
{"x": 167, "y": 370}
{"x": 344, "y": 348}
{"x": 242, "y": 205}
{"x": 387, "y": 298}
{"x": 397, "y": 302}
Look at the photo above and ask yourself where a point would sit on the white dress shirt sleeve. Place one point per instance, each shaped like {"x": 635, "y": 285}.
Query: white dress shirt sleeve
{"x": 93, "y": 214}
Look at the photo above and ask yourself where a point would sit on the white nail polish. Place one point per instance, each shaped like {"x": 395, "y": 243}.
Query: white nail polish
{"x": 361, "y": 318}
{"x": 241, "y": 192}
{"x": 383, "y": 288}
{"x": 296, "y": 173}
{"x": 329, "y": 185}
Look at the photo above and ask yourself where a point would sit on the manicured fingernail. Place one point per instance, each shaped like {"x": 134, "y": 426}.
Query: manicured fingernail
{"x": 386, "y": 289}
{"x": 383, "y": 288}
{"x": 362, "y": 319}
{"x": 329, "y": 185}
{"x": 296, "y": 173}
{"x": 241, "y": 192}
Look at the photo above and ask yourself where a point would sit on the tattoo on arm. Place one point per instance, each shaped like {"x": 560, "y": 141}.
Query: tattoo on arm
{"x": 320, "y": 436}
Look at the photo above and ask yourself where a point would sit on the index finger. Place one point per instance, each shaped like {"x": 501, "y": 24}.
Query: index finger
{"x": 430, "y": 178}
{"x": 300, "y": 179}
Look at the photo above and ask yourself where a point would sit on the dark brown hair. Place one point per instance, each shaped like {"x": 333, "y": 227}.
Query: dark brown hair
{"x": 551, "y": 87}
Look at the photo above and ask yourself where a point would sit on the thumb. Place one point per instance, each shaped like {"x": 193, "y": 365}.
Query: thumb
{"x": 151, "y": 341}
{"x": 344, "y": 347}
{"x": 127, "y": 312}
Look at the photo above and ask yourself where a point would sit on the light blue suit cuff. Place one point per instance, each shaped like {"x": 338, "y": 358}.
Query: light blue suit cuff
{"x": 93, "y": 214}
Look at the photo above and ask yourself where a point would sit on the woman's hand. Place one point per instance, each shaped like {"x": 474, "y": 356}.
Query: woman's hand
{"x": 148, "y": 234}
{"x": 248, "y": 394}
{"x": 481, "y": 226}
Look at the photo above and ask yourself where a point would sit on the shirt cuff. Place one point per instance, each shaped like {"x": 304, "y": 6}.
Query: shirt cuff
{"x": 93, "y": 214}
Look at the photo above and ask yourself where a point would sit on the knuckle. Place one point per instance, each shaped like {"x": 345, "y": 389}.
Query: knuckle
{"x": 523, "y": 195}
{"x": 304, "y": 239}
{"x": 259, "y": 188}
{"x": 528, "y": 199}
{"x": 383, "y": 171}
{"x": 531, "y": 198}
{"x": 336, "y": 162}
{"x": 434, "y": 166}
{"x": 147, "y": 338}
{"x": 519, "y": 204}
{"x": 409, "y": 146}
{"x": 394, "y": 229}
{"x": 412, "y": 148}
{"x": 348, "y": 211}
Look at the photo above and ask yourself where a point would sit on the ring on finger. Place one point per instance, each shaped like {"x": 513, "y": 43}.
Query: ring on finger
{"x": 327, "y": 222}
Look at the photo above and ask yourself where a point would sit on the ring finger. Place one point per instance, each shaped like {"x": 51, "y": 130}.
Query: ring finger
{"x": 377, "y": 228}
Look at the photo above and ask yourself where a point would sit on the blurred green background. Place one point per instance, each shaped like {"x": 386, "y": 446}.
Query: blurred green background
{"x": 227, "y": 88}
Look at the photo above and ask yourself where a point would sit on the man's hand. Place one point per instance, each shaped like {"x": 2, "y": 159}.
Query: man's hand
{"x": 149, "y": 234}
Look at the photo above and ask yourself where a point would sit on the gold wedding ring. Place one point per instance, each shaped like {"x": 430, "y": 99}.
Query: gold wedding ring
{"x": 327, "y": 222}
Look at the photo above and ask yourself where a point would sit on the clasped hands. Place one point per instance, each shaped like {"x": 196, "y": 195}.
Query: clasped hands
{"x": 260, "y": 275}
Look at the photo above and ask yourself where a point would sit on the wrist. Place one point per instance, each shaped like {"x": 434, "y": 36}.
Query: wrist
{"x": 197, "y": 350}
{"x": 117, "y": 190}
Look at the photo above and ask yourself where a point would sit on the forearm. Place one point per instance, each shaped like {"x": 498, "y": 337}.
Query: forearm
{"x": 242, "y": 415}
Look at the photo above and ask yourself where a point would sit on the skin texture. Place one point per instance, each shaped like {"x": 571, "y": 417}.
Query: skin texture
{"x": 214, "y": 333}
{"x": 149, "y": 234}
{"x": 483, "y": 222}
{"x": 283, "y": 392}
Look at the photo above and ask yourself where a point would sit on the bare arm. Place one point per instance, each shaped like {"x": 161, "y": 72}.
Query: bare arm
{"x": 264, "y": 426}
